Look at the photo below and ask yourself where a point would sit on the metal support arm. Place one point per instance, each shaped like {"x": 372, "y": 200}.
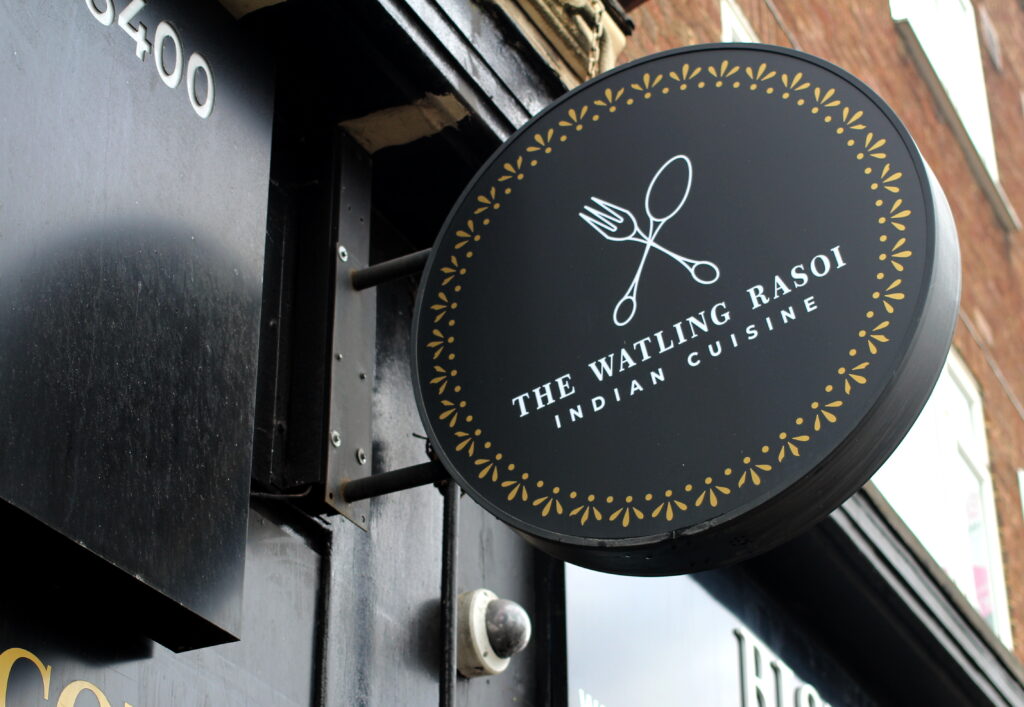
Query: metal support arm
{"x": 391, "y": 481}
{"x": 390, "y": 270}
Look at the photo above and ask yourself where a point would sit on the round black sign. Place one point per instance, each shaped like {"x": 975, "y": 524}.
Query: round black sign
{"x": 687, "y": 310}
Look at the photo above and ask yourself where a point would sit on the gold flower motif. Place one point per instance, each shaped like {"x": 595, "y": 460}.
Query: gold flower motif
{"x": 794, "y": 83}
{"x": 647, "y": 84}
{"x": 872, "y": 147}
{"x": 752, "y": 470}
{"x": 896, "y": 212}
{"x": 439, "y": 342}
{"x": 849, "y": 120}
{"x": 723, "y": 71}
{"x": 451, "y": 412}
{"x": 886, "y": 180}
{"x": 468, "y": 441}
{"x": 684, "y": 75}
{"x": 890, "y": 294}
{"x": 626, "y": 511}
{"x": 575, "y": 120}
{"x": 443, "y": 306}
{"x": 549, "y": 502}
{"x": 824, "y": 99}
{"x": 517, "y": 487}
{"x": 789, "y": 444}
{"x": 667, "y": 504}
{"x": 514, "y": 170}
{"x": 762, "y": 74}
{"x": 587, "y": 509}
{"x": 609, "y": 101}
{"x": 896, "y": 254}
{"x": 467, "y": 235}
{"x": 824, "y": 411}
{"x": 488, "y": 201}
{"x": 453, "y": 267}
{"x": 543, "y": 142}
{"x": 875, "y": 335}
{"x": 442, "y": 378}
{"x": 710, "y": 494}
{"x": 853, "y": 375}
{"x": 489, "y": 466}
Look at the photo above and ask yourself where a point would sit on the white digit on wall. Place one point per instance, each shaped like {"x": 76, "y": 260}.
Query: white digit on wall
{"x": 163, "y": 32}
{"x": 137, "y": 33}
{"x": 106, "y": 16}
{"x": 195, "y": 63}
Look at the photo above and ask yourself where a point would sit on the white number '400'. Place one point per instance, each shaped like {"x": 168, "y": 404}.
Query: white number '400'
{"x": 166, "y": 49}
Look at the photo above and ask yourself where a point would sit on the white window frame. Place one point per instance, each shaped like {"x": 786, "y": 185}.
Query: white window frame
{"x": 972, "y": 446}
{"x": 735, "y": 26}
{"x": 957, "y": 81}
{"x": 974, "y": 450}
{"x": 1020, "y": 488}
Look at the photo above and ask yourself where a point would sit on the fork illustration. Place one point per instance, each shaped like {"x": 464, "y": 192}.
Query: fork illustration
{"x": 616, "y": 223}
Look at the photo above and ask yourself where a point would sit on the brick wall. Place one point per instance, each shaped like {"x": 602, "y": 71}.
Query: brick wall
{"x": 861, "y": 37}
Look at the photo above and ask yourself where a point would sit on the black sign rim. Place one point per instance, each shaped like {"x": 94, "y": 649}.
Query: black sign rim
{"x": 930, "y": 334}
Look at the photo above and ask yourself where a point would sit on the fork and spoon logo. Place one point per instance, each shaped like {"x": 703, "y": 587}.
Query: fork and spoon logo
{"x": 616, "y": 223}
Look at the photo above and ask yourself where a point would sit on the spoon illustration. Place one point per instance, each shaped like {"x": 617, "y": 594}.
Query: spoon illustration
{"x": 680, "y": 168}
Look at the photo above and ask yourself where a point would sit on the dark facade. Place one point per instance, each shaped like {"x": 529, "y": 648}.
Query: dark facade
{"x": 171, "y": 479}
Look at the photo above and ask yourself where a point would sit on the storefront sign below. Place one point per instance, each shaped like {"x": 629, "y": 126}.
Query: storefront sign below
{"x": 687, "y": 310}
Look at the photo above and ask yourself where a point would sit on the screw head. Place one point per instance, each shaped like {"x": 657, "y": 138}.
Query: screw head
{"x": 336, "y": 438}
{"x": 343, "y": 254}
{"x": 361, "y": 456}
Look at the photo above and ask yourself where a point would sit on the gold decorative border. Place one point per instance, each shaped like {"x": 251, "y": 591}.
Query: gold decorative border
{"x": 585, "y": 506}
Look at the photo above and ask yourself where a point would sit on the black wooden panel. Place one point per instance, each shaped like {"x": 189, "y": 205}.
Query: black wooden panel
{"x": 277, "y": 662}
{"x": 383, "y": 617}
{"x": 493, "y": 556}
{"x": 131, "y": 258}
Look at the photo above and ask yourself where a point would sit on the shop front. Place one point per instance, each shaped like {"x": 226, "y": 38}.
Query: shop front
{"x": 190, "y": 378}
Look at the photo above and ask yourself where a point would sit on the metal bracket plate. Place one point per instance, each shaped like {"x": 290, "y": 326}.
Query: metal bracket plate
{"x": 351, "y": 373}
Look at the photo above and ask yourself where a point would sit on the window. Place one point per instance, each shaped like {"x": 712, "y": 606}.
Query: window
{"x": 735, "y": 27}
{"x": 938, "y": 481}
{"x": 942, "y": 36}
{"x": 1020, "y": 485}
{"x": 665, "y": 641}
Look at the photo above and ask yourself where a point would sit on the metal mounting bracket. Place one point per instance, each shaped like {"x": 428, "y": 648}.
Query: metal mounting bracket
{"x": 349, "y": 438}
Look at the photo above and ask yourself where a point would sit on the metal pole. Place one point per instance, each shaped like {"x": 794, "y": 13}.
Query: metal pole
{"x": 391, "y": 481}
{"x": 449, "y": 570}
{"x": 390, "y": 270}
